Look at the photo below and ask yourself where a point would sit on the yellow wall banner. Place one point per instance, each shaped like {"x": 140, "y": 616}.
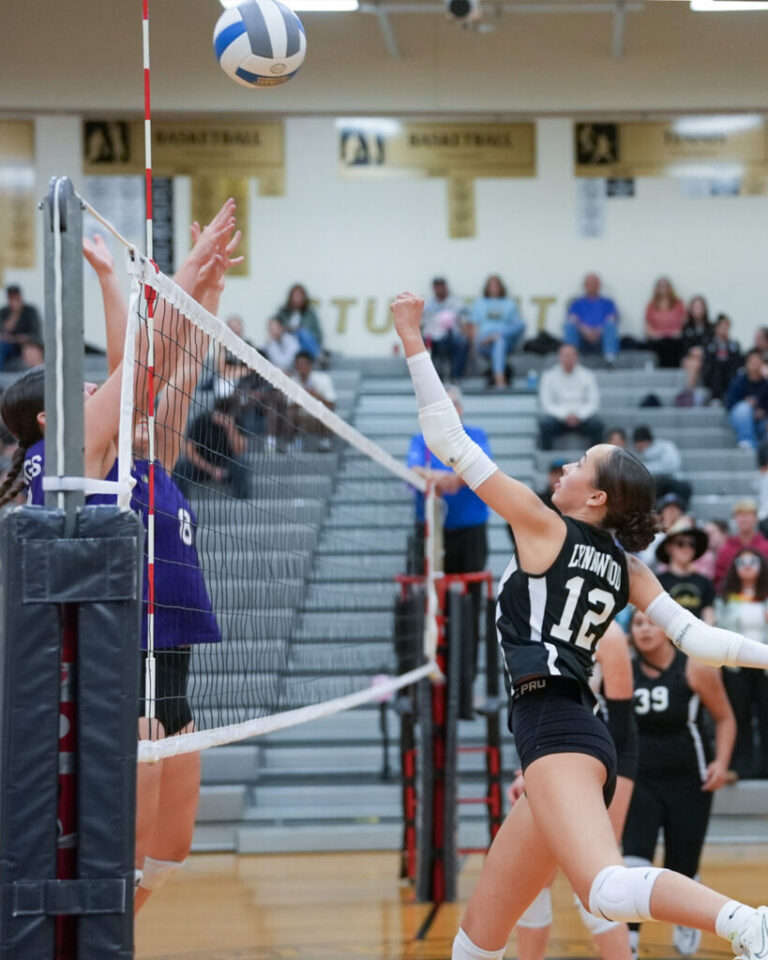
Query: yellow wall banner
{"x": 685, "y": 147}
{"x": 184, "y": 148}
{"x": 381, "y": 148}
{"x": 461, "y": 208}
{"x": 18, "y": 209}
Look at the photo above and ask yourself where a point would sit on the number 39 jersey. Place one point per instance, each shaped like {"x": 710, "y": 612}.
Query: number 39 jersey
{"x": 549, "y": 625}
{"x": 674, "y": 744}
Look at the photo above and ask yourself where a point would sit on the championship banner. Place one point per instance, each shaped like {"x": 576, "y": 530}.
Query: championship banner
{"x": 461, "y": 208}
{"x": 208, "y": 192}
{"x": 184, "y": 148}
{"x": 381, "y": 148}
{"x": 17, "y": 194}
{"x": 685, "y": 147}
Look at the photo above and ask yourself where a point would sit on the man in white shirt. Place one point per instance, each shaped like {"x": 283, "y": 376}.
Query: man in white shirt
{"x": 281, "y": 347}
{"x": 320, "y": 386}
{"x": 569, "y": 399}
{"x": 664, "y": 463}
{"x": 442, "y": 325}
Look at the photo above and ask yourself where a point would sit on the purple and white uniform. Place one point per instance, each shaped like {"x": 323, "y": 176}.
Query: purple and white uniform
{"x": 183, "y": 611}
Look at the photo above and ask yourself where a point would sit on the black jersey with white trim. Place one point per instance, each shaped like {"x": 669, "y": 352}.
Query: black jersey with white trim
{"x": 549, "y": 625}
{"x": 674, "y": 744}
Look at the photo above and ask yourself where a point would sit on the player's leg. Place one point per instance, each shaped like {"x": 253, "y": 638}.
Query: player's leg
{"x": 516, "y": 869}
{"x": 534, "y": 926}
{"x": 641, "y": 831}
{"x": 565, "y": 793}
{"x": 685, "y": 828}
{"x": 148, "y": 781}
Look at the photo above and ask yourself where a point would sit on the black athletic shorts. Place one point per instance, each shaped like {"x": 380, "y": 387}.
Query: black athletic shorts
{"x": 171, "y": 673}
{"x": 553, "y": 715}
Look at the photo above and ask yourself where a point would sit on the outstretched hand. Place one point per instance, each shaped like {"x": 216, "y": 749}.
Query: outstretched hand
{"x": 407, "y": 309}
{"x": 98, "y": 254}
{"x": 215, "y": 237}
{"x": 212, "y": 273}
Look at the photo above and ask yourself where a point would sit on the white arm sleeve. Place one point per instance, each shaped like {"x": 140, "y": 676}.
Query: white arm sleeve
{"x": 441, "y": 425}
{"x": 704, "y": 643}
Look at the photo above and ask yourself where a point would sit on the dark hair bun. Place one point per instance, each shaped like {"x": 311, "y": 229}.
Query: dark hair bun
{"x": 635, "y": 531}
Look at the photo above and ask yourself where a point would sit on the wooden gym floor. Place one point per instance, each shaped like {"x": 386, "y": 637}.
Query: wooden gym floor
{"x": 352, "y": 907}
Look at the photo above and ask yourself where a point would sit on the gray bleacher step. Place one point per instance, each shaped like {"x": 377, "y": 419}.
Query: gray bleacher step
{"x": 360, "y": 567}
{"x": 232, "y": 591}
{"x": 711, "y": 507}
{"x": 221, "y": 802}
{"x": 274, "y": 563}
{"x": 329, "y": 761}
{"x": 215, "y": 837}
{"x": 392, "y": 539}
{"x": 727, "y": 829}
{"x": 235, "y": 763}
{"x": 275, "y": 796}
{"x": 746, "y": 798}
{"x": 346, "y": 625}
{"x": 350, "y": 657}
{"x": 341, "y": 595}
{"x": 236, "y": 535}
{"x": 319, "y": 838}
{"x": 294, "y": 509}
{"x": 361, "y": 471}
{"x": 397, "y": 446}
{"x": 243, "y": 623}
{"x": 293, "y": 464}
{"x": 348, "y": 726}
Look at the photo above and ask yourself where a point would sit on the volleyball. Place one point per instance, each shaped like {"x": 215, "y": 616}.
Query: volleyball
{"x": 259, "y": 43}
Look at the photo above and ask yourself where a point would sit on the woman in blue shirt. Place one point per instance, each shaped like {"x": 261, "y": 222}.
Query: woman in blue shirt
{"x": 498, "y": 326}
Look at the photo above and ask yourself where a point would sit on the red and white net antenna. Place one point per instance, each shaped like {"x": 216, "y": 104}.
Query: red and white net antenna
{"x": 151, "y": 298}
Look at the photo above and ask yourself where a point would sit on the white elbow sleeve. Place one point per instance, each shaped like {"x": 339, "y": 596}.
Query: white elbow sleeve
{"x": 699, "y": 640}
{"x": 441, "y": 425}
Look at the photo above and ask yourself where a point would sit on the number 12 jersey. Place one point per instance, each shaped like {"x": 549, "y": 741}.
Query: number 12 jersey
{"x": 549, "y": 625}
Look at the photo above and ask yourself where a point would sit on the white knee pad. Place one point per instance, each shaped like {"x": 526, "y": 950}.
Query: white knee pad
{"x": 623, "y": 893}
{"x": 595, "y": 925}
{"x": 539, "y": 913}
{"x": 464, "y": 949}
{"x": 157, "y": 872}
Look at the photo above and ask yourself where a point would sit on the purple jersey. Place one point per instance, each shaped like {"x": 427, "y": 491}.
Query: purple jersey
{"x": 183, "y": 611}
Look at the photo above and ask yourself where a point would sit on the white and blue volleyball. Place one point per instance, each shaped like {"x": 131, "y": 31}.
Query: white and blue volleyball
{"x": 259, "y": 43}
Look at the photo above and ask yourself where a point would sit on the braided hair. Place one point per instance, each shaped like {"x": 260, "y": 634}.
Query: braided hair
{"x": 20, "y": 405}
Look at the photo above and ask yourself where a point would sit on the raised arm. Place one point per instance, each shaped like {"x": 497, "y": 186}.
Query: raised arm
{"x": 446, "y": 437}
{"x": 699, "y": 640}
{"x": 97, "y": 253}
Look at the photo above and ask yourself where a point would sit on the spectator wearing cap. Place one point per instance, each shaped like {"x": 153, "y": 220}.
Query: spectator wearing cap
{"x": 592, "y": 325}
{"x": 442, "y": 321}
{"x": 497, "y": 327}
{"x": 747, "y": 401}
{"x": 569, "y": 398}
{"x": 19, "y": 328}
{"x": 670, "y": 509}
{"x": 664, "y": 463}
{"x": 682, "y": 545}
{"x": 555, "y": 472}
{"x": 747, "y": 537}
{"x": 465, "y": 537}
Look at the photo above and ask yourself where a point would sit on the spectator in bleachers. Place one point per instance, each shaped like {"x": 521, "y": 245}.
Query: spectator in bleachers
{"x": 664, "y": 463}
{"x": 697, "y": 330}
{"x": 442, "y": 325}
{"x": 670, "y": 508}
{"x": 722, "y": 359}
{"x": 761, "y": 487}
{"x": 760, "y": 343}
{"x": 717, "y": 533}
{"x": 465, "y": 537}
{"x": 214, "y": 451}
{"x": 281, "y": 346}
{"x": 298, "y": 316}
{"x": 553, "y": 475}
{"x": 744, "y": 608}
{"x": 592, "y": 324}
{"x": 664, "y": 319}
{"x": 747, "y": 537}
{"x": 747, "y": 401}
{"x": 683, "y": 544}
{"x": 20, "y": 330}
{"x": 496, "y": 327}
{"x": 318, "y": 385}
{"x": 617, "y": 436}
{"x": 569, "y": 399}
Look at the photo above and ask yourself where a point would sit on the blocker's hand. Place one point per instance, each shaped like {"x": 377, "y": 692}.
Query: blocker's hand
{"x": 97, "y": 253}
{"x": 407, "y": 309}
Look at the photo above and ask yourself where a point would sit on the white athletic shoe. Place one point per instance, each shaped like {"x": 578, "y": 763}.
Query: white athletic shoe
{"x": 687, "y": 940}
{"x": 752, "y": 942}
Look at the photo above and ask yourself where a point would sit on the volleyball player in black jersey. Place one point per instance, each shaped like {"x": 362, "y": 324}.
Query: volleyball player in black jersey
{"x": 678, "y": 772}
{"x": 568, "y": 577}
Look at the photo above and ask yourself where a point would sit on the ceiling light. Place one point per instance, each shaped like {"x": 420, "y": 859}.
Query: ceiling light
{"x": 728, "y": 6}
{"x": 311, "y": 6}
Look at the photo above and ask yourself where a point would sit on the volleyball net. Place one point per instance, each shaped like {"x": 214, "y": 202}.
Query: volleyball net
{"x": 269, "y": 567}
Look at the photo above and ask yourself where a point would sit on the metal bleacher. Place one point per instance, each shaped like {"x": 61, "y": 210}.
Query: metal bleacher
{"x": 319, "y": 786}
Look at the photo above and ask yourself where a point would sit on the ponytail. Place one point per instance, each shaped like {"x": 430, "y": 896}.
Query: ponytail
{"x": 631, "y": 495}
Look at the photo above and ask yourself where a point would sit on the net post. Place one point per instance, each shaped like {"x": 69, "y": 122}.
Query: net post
{"x": 64, "y": 344}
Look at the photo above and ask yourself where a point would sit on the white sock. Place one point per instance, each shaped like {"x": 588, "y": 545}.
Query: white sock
{"x": 464, "y": 949}
{"x": 731, "y": 919}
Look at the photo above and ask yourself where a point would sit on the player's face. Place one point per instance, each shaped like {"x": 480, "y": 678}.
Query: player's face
{"x": 645, "y": 635}
{"x": 577, "y": 483}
